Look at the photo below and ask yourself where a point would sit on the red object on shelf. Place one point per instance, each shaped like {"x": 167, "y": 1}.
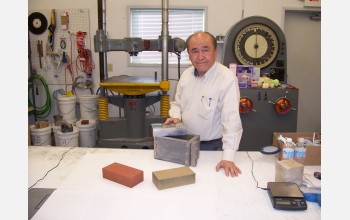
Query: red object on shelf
{"x": 80, "y": 40}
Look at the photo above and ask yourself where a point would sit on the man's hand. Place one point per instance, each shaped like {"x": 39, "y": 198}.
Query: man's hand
{"x": 172, "y": 120}
{"x": 229, "y": 167}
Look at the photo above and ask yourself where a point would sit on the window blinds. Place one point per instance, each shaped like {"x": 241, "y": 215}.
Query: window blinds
{"x": 147, "y": 24}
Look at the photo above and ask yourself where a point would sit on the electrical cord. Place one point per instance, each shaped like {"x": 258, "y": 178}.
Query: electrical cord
{"x": 53, "y": 167}
{"x": 178, "y": 63}
{"x": 252, "y": 171}
{"x": 106, "y": 89}
{"x": 41, "y": 111}
{"x": 84, "y": 61}
{"x": 69, "y": 68}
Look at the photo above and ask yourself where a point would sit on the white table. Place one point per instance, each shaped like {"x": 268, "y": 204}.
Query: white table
{"x": 82, "y": 193}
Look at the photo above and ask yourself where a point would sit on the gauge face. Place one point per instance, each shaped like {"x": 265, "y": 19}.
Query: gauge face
{"x": 256, "y": 44}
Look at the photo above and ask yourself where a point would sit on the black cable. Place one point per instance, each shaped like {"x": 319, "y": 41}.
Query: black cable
{"x": 51, "y": 168}
{"x": 106, "y": 89}
{"x": 178, "y": 63}
{"x": 252, "y": 171}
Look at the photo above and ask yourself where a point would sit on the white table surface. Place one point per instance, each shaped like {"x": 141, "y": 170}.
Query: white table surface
{"x": 82, "y": 193}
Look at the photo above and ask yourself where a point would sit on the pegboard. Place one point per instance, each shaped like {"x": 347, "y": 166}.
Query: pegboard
{"x": 52, "y": 68}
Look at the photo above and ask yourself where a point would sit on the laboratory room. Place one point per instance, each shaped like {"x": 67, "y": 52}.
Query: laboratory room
{"x": 165, "y": 109}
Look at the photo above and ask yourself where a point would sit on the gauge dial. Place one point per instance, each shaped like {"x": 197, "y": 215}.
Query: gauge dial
{"x": 256, "y": 44}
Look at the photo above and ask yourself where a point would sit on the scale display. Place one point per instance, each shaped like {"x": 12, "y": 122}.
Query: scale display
{"x": 260, "y": 42}
{"x": 286, "y": 196}
{"x": 257, "y": 45}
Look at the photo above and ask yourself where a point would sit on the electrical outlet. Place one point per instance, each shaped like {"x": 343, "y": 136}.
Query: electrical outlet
{"x": 110, "y": 67}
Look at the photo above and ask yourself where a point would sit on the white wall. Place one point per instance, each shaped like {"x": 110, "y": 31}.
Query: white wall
{"x": 222, "y": 14}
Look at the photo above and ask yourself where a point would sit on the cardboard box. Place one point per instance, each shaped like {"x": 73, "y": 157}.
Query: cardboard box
{"x": 245, "y": 73}
{"x": 289, "y": 171}
{"x": 313, "y": 152}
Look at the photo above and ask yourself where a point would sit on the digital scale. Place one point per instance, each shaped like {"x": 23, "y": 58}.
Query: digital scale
{"x": 286, "y": 196}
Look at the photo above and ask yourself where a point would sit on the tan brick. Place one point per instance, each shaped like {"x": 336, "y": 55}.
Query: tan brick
{"x": 164, "y": 179}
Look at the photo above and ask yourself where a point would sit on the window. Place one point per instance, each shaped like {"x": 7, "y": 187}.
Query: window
{"x": 147, "y": 24}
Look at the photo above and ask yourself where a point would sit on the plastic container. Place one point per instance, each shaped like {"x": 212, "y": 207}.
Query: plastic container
{"x": 67, "y": 139}
{"x": 87, "y": 133}
{"x": 66, "y": 107}
{"x": 288, "y": 149}
{"x": 88, "y": 106}
{"x": 40, "y": 136}
{"x": 300, "y": 150}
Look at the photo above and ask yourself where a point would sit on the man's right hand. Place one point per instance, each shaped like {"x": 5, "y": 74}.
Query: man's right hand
{"x": 172, "y": 121}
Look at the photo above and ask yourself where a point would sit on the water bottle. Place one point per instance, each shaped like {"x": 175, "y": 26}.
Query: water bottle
{"x": 300, "y": 150}
{"x": 288, "y": 149}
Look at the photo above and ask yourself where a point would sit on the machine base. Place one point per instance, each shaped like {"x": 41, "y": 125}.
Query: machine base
{"x": 262, "y": 121}
{"x": 115, "y": 133}
{"x": 127, "y": 143}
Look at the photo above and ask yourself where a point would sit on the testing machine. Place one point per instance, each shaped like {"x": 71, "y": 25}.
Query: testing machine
{"x": 134, "y": 129}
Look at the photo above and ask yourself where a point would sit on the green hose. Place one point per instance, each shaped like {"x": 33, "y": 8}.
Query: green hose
{"x": 41, "y": 111}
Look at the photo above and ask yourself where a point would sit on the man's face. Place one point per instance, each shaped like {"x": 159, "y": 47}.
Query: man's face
{"x": 201, "y": 52}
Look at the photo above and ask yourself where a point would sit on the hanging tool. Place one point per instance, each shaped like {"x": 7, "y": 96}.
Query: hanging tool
{"x": 40, "y": 51}
{"x": 36, "y": 81}
{"x": 51, "y": 28}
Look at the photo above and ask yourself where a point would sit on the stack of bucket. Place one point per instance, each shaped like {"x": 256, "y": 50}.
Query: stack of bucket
{"x": 88, "y": 120}
{"x": 66, "y": 106}
{"x": 40, "y": 136}
{"x": 66, "y": 139}
{"x": 84, "y": 131}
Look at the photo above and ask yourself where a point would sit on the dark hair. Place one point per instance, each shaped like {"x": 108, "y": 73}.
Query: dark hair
{"x": 213, "y": 39}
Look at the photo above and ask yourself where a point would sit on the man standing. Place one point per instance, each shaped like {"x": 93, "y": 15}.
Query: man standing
{"x": 207, "y": 101}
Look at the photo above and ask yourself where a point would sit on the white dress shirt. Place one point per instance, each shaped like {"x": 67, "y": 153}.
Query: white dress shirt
{"x": 208, "y": 106}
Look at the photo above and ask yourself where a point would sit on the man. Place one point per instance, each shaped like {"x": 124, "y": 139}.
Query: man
{"x": 207, "y": 101}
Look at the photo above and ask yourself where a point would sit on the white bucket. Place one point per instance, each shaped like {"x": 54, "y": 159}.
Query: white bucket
{"x": 87, "y": 133}
{"x": 67, "y": 139}
{"x": 88, "y": 106}
{"x": 66, "y": 107}
{"x": 40, "y": 136}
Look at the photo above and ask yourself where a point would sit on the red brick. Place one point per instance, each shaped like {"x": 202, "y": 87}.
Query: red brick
{"x": 122, "y": 174}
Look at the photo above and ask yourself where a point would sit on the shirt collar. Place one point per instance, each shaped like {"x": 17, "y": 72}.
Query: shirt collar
{"x": 209, "y": 72}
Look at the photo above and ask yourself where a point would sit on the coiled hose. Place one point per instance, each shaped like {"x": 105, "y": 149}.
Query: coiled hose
{"x": 164, "y": 106}
{"x": 103, "y": 108}
{"x": 41, "y": 111}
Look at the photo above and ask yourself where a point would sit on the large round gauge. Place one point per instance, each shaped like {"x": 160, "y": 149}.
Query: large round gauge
{"x": 256, "y": 44}
{"x": 260, "y": 42}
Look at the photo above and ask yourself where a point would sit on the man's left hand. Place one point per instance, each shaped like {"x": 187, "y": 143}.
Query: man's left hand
{"x": 229, "y": 167}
